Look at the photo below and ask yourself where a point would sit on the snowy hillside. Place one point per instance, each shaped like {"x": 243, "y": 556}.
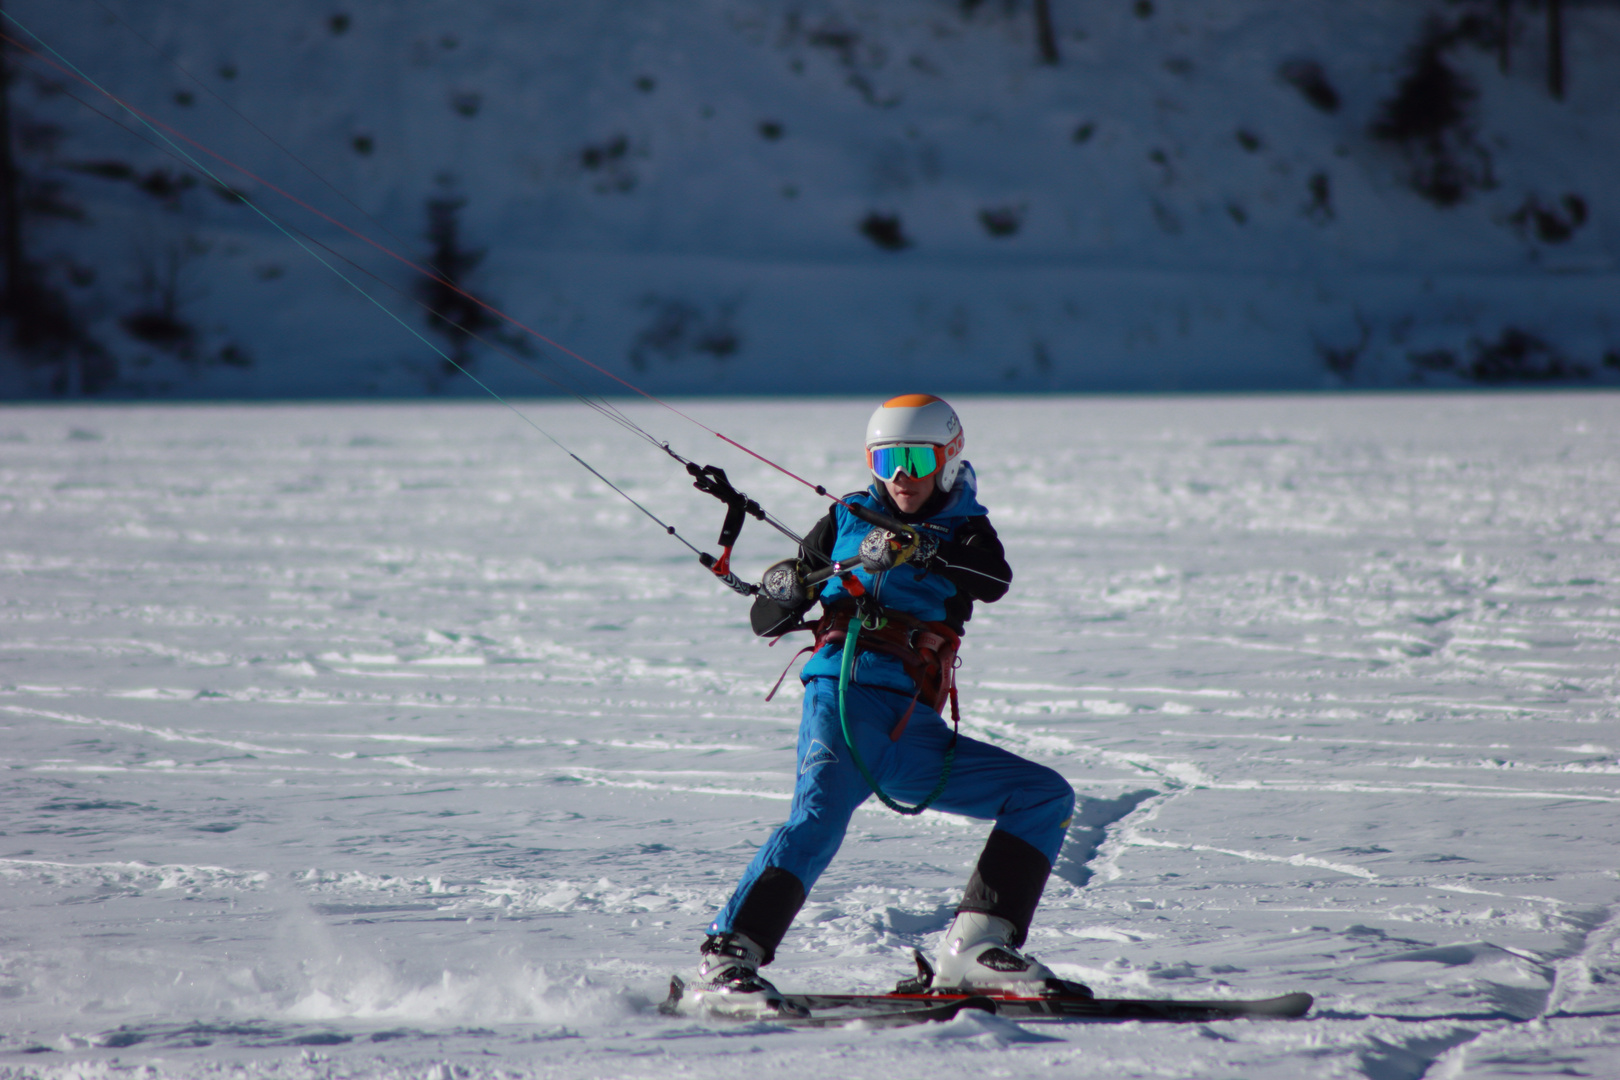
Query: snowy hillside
{"x": 380, "y": 742}
{"x": 831, "y": 195}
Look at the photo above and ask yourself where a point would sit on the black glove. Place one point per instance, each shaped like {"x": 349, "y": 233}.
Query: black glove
{"x": 883, "y": 550}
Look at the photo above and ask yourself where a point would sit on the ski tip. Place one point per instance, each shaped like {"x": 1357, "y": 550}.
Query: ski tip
{"x": 1297, "y": 1004}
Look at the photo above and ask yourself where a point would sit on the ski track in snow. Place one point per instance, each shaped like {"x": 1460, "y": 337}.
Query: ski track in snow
{"x": 381, "y": 741}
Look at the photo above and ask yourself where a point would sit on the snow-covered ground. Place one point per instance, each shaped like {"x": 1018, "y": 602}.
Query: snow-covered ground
{"x": 1194, "y": 197}
{"x": 384, "y": 741}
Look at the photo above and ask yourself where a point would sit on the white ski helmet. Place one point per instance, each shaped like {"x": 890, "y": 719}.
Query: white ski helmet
{"x": 918, "y": 420}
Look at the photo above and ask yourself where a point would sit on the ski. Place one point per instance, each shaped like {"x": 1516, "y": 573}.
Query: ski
{"x": 1072, "y": 1007}
{"x": 900, "y": 1009}
{"x": 869, "y": 1011}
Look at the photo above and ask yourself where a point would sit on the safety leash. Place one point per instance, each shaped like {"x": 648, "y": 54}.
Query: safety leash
{"x": 844, "y": 671}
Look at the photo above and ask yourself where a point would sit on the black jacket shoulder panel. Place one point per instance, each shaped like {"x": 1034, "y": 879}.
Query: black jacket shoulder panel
{"x": 819, "y": 541}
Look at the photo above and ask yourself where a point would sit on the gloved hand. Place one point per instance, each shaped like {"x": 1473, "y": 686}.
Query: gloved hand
{"x": 783, "y": 582}
{"x": 884, "y": 550}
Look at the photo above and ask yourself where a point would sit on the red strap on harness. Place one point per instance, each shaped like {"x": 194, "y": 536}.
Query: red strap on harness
{"x": 780, "y": 679}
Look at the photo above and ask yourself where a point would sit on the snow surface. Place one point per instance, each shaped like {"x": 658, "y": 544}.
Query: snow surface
{"x": 383, "y": 741}
{"x": 618, "y": 169}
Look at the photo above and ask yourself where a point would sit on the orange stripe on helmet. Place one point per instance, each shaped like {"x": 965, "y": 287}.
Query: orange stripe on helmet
{"x": 910, "y": 401}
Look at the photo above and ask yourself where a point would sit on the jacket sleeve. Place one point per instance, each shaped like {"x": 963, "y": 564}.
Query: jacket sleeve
{"x": 974, "y": 561}
{"x": 770, "y": 618}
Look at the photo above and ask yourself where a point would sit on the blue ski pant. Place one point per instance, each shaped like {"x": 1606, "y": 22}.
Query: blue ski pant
{"x": 1029, "y": 801}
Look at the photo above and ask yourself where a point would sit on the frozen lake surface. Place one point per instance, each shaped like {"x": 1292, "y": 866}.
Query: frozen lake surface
{"x": 382, "y": 740}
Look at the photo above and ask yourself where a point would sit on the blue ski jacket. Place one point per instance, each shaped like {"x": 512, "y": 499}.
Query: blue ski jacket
{"x": 942, "y": 593}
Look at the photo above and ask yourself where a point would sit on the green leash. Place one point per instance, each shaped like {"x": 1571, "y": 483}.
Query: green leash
{"x": 844, "y": 671}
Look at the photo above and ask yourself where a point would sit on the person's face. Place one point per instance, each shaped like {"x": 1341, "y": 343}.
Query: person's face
{"x": 908, "y": 493}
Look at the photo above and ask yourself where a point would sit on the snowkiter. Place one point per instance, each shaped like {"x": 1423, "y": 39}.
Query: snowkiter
{"x": 911, "y": 600}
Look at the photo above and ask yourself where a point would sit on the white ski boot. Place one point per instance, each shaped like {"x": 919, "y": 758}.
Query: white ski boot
{"x": 728, "y": 980}
{"x": 979, "y": 955}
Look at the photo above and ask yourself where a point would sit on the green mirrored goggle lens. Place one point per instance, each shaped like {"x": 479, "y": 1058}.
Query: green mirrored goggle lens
{"x": 916, "y": 461}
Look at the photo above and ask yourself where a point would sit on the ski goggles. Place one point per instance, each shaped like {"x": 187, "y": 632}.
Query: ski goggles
{"x": 915, "y": 460}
